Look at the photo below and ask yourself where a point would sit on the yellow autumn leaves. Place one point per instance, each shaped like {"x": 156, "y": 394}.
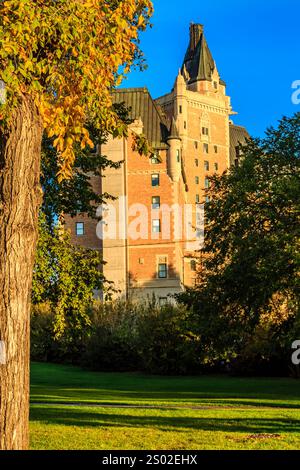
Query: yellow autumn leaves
{"x": 69, "y": 58}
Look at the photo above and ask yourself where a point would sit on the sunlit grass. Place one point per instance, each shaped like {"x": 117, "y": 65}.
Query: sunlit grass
{"x": 247, "y": 413}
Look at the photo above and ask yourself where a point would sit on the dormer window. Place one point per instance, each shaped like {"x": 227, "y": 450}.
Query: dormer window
{"x": 155, "y": 160}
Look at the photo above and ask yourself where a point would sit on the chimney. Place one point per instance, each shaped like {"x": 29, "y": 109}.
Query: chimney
{"x": 196, "y": 30}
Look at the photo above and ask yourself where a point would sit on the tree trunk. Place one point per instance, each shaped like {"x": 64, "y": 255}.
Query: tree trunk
{"x": 20, "y": 197}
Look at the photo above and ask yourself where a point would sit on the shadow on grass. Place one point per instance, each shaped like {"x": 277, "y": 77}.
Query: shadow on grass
{"x": 108, "y": 396}
{"x": 81, "y": 418}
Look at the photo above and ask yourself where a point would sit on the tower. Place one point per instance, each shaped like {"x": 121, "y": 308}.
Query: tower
{"x": 201, "y": 109}
{"x": 181, "y": 107}
{"x": 174, "y": 153}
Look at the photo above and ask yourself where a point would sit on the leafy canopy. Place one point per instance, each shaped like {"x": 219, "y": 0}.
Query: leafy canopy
{"x": 249, "y": 275}
{"x": 66, "y": 277}
{"x": 67, "y": 55}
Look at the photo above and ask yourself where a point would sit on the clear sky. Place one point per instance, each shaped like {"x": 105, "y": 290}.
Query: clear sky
{"x": 255, "y": 43}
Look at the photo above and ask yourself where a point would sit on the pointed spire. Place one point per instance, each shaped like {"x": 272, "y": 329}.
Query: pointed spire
{"x": 196, "y": 30}
{"x": 174, "y": 134}
{"x": 179, "y": 79}
{"x": 198, "y": 61}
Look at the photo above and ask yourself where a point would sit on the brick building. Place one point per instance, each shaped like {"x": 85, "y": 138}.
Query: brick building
{"x": 152, "y": 228}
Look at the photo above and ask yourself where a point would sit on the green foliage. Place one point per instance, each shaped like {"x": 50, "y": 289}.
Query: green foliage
{"x": 250, "y": 276}
{"x": 66, "y": 277}
{"x": 42, "y": 319}
{"x": 126, "y": 337}
{"x": 113, "y": 343}
{"x": 142, "y": 337}
{"x": 166, "y": 344}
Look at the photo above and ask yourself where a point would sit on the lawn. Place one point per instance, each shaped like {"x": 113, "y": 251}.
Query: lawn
{"x": 75, "y": 409}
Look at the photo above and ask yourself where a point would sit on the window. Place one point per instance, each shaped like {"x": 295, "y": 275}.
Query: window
{"x": 196, "y": 162}
{"x": 197, "y": 199}
{"x": 184, "y": 124}
{"x": 155, "y": 160}
{"x": 79, "y": 229}
{"x": 155, "y": 202}
{"x": 141, "y": 261}
{"x": 205, "y": 148}
{"x": 94, "y": 150}
{"x": 207, "y": 199}
{"x": 207, "y": 183}
{"x": 216, "y": 166}
{"x": 236, "y": 162}
{"x": 215, "y": 85}
{"x": 178, "y": 155}
{"x": 180, "y": 109}
{"x": 156, "y": 226}
{"x": 162, "y": 271}
{"x": 196, "y": 144}
{"x": 216, "y": 148}
{"x": 237, "y": 151}
{"x": 197, "y": 180}
{"x": 193, "y": 265}
{"x": 206, "y": 165}
{"x": 155, "y": 180}
{"x": 205, "y": 131}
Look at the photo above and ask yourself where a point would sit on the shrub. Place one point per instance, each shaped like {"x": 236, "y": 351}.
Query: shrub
{"x": 112, "y": 344}
{"x": 121, "y": 336}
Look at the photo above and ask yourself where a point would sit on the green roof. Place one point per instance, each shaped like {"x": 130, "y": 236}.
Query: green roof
{"x": 141, "y": 105}
{"x": 238, "y": 135}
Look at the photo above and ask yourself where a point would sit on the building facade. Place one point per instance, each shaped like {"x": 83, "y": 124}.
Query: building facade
{"x": 151, "y": 234}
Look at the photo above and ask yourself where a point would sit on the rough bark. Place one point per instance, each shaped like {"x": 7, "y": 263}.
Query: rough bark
{"x": 20, "y": 197}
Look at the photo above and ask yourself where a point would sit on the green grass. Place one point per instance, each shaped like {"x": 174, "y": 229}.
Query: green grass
{"x": 237, "y": 413}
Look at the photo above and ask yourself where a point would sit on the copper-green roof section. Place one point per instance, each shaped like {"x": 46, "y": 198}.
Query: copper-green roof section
{"x": 238, "y": 135}
{"x": 140, "y": 105}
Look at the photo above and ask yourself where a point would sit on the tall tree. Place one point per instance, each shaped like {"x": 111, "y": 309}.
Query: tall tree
{"x": 65, "y": 278}
{"x": 251, "y": 261}
{"x": 59, "y": 60}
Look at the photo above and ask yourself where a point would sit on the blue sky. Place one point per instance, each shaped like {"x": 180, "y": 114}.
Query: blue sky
{"x": 255, "y": 43}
